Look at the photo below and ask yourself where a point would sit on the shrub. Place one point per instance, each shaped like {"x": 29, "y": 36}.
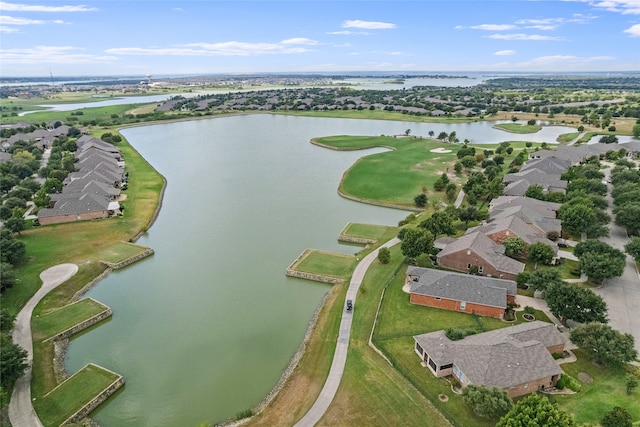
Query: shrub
{"x": 455, "y": 334}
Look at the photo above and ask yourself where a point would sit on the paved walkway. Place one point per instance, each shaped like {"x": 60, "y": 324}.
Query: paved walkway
{"x": 21, "y": 411}
{"x": 330, "y": 388}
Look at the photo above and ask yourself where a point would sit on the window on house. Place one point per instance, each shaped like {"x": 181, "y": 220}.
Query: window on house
{"x": 450, "y": 365}
{"x": 463, "y": 305}
{"x": 526, "y": 385}
{"x": 437, "y": 298}
{"x": 433, "y": 365}
{"x": 419, "y": 348}
{"x": 480, "y": 269}
{"x": 469, "y": 266}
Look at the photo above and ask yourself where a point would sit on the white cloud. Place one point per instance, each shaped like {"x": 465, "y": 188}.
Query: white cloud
{"x": 8, "y": 29}
{"x": 633, "y": 31}
{"x": 231, "y": 48}
{"x": 368, "y": 25}
{"x": 494, "y": 27}
{"x": 625, "y": 7}
{"x": 521, "y": 36}
{"x": 300, "y": 40}
{"x": 9, "y": 20}
{"x": 17, "y": 7}
{"x": 505, "y": 52}
{"x": 51, "y": 55}
{"x": 542, "y": 27}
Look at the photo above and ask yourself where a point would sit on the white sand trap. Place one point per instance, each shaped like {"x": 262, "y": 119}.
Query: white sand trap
{"x": 440, "y": 150}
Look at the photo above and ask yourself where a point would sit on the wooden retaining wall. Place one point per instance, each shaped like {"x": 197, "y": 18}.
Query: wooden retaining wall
{"x": 96, "y": 401}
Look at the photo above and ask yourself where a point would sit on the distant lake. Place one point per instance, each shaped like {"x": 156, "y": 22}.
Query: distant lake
{"x": 204, "y": 328}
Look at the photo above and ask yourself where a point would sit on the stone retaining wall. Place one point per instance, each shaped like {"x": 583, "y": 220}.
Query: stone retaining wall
{"x": 96, "y": 401}
{"x": 312, "y": 276}
{"x": 292, "y": 272}
{"x": 357, "y": 240}
{"x": 130, "y": 260}
{"x": 107, "y": 312}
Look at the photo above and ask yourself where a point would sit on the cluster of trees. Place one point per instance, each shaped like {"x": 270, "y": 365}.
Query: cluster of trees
{"x": 584, "y": 208}
{"x": 625, "y": 178}
{"x": 538, "y": 253}
{"x": 599, "y": 260}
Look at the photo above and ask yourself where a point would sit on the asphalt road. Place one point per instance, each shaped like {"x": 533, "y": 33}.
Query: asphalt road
{"x": 21, "y": 413}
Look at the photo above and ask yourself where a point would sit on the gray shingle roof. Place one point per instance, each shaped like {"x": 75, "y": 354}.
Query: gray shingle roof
{"x": 502, "y": 358}
{"x": 461, "y": 287}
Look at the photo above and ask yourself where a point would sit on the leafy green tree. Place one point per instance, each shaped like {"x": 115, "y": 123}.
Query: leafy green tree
{"x": 575, "y": 302}
{"x": 457, "y": 167}
{"x": 541, "y": 253}
{"x": 601, "y": 266}
{"x": 7, "y": 276}
{"x": 514, "y": 246}
{"x": 468, "y": 162}
{"x": 52, "y": 185}
{"x": 12, "y": 251}
{"x": 541, "y": 278}
{"x": 578, "y": 218}
{"x": 439, "y": 223}
{"x": 468, "y": 214}
{"x": 636, "y": 131}
{"x": 535, "y": 410}
{"x": 628, "y": 216}
{"x": 606, "y": 345}
{"x": 617, "y": 417}
{"x": 415, "y": 242}
{"x": 633, "y": 248}
{"x": 451, "y": 191}
{"x": 535, "y": 192}
{"x": 12, "y": 362}
{"x": 441, "y": 182}
{"x": 488, "y": 402}
{"x": 421, "y": 200}
{"x": 384, "y": 255}
{"x": 14, "y": 225}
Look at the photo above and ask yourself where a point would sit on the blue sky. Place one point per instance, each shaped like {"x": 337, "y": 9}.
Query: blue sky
{"x": 198, "y": 37}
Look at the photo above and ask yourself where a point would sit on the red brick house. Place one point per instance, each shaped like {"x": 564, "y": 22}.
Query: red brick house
{"x": 517, "y": 359}
{"x": 475, "y": 250}
{"x": 484, "y": 296}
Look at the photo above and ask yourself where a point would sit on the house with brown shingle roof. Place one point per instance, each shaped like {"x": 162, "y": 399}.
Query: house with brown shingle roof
{"x": 477, "y": 250}
{"x": 517, "y": 359}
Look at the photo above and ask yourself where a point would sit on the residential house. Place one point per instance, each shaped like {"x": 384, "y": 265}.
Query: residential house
{"x": 485, "y": 296}
{"x": 517, "y": 359}
{"x": 475, "y": 250}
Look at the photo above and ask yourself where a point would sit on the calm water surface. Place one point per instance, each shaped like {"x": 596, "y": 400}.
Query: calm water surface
{"x": 204, "y": 328}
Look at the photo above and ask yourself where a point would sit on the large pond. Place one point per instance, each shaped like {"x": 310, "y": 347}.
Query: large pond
{"x": 204, "y": 328}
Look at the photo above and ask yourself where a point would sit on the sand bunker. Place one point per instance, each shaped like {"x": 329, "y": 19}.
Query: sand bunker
{"x": 440, "y": 150}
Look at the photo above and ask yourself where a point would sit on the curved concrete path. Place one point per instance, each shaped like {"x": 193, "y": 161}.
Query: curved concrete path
{"x": 21, "y": 411}
{"x": 330, "y": 388}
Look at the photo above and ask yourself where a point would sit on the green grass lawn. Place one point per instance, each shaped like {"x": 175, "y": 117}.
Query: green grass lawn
{"x": 48, "y": 325}
{"x": 328, "y": 264}
{"x": 399, "y": 321}
{"x": 518, "y": 128}
{"x": 607, "y": 390}
{"x": 567, "y": 137}
{"x": 397, "y": 176}
{"x": 119, "y": 252}
{"x": 71, "y": 395}
{"x": 380, "y": 233}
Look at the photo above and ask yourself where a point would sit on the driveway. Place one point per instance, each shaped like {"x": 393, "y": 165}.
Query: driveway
{"x": 21, "y": 411}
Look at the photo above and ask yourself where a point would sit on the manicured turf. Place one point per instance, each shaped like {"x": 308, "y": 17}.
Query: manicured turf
{"x": 60, "y": 320}
{"x": 518, "y": 128}
{"x": 396, "y": 176}
{"x": 379, "y": 233}
{"x": 71, "y": 395}
{"x": 119, "y": 252}
{"x": 607, "y": 390}
{"x": 331, "y": 264}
